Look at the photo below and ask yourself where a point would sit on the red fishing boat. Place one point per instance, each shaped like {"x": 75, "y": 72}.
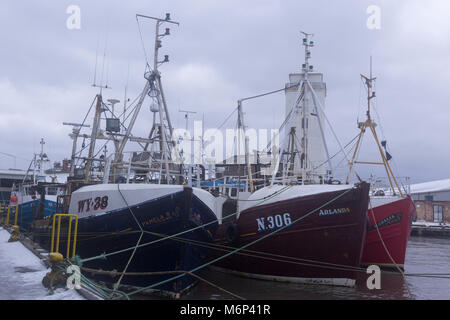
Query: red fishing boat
{"x": 301, "y": 233}
{"x": 391, "y": 210}
{"x": 302, "y": 227}
{"x": 388, "y": 230}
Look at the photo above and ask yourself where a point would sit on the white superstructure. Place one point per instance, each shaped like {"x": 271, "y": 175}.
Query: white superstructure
{"x": 304, "y": 149}
{"x": 315, "y": 146}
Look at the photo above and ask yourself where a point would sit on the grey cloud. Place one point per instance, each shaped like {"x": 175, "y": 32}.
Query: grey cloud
{"x": 242, "y": 48}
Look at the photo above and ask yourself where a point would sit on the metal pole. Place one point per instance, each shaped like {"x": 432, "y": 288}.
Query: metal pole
{"x": 93, "y": 137}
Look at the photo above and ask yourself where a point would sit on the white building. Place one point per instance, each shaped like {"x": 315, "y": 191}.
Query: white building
{"x": 432, "y": 200}
{"x": 314, "y": 142}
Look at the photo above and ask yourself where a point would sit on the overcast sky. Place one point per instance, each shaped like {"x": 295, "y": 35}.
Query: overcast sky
{"x": 223, "y": 51}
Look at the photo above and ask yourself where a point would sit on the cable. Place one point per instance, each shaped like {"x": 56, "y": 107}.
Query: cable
{"x": 248, "y": 244}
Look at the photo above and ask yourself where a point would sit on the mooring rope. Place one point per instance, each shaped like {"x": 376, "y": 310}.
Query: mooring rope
{"x": 116, "y": 285}
{"x": 115, "y": 273}
{"x": 387, "y": 250}
{"x": 104, "y": 255}
{"x": 244, "y": 246}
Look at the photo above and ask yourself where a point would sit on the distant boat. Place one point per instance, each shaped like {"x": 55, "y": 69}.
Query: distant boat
{"x": 35, "y": 196}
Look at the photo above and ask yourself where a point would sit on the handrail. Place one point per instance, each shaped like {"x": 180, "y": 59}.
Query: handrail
{"x": 16, "y": 211}
{"x": 69, "y": 230}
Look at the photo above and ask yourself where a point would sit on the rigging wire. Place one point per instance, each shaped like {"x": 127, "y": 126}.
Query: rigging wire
{"x": 340, "y": 151}
{"x": 142, "y": 41}
{"x": 246, "y": 245}
{"x": 102, "y": 256}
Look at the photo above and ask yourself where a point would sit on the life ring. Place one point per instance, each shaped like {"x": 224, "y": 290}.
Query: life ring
{"x": 232, "y": 234}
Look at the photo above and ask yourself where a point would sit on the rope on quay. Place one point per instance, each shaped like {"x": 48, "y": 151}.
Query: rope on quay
{"x": 91, "y": 286}
{"x": 116, "y": 273}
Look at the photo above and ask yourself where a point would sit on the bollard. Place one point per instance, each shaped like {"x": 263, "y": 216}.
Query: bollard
{"x": 56, "y": 278}
{"x": 15, "y": 235}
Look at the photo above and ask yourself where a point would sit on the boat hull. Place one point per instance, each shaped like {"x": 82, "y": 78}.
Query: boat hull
{"x": 28, "y": 211}
{"x": 322, "y": 247}
{"x": 163, "y": 216}
{"x": 386, "y": 247}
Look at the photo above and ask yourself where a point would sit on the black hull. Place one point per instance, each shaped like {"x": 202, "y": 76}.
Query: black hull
{"x": 117, "y": 230}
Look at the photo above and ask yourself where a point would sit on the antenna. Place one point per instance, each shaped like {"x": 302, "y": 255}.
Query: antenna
{"x": 113, "y": 102}
{"x": 96, "y": 59}
{"x": 166, "y": 19}
{"x": 307, "y": 44}
{"x": 370, "y": 124}
{"x": 95, "y": 85}
{"x": 369, "y": 84}
{"x": 125, "y": 100}
{"x": 75, "y": 132}
{"x": 76, "y": 124}
{"x": 186, "y": 116}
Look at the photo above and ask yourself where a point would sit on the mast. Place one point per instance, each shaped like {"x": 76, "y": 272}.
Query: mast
{"x": 192, "y": 161}
{"x": 369, "y": 123}
{"x": 153, "y": 88}
{"x": 303, "y": 110}
{"x": 41, "y": 157}
{"x": 241, "y": 129}
{"x": 95, "y": 127}
{"x": 76, "y": 127}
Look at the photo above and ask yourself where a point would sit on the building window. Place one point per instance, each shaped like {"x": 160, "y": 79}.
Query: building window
{"x": 428, "y": 198}
{"x": 437, "y": 213}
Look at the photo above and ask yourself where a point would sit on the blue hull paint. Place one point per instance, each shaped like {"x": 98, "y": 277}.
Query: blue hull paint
{"x": 118, "y": 230}
{"x": 26, "y": 215}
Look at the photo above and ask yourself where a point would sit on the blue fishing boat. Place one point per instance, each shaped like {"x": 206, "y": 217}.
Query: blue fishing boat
{"x": 35, "y": 197}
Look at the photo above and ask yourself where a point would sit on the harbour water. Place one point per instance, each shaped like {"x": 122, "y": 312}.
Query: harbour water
{"x": 430, "y": 256}
{"x": 423, "y": 256}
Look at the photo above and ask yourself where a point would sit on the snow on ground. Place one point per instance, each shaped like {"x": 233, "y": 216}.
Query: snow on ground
{"x": 423, "y": 223}
{"x": 21, "y": 274}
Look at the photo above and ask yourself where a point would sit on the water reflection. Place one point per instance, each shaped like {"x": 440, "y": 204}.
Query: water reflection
{"x": 424, "y": 255}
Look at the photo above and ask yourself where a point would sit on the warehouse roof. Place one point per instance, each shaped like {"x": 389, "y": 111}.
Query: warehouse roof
{"x": 432, "y": 186}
